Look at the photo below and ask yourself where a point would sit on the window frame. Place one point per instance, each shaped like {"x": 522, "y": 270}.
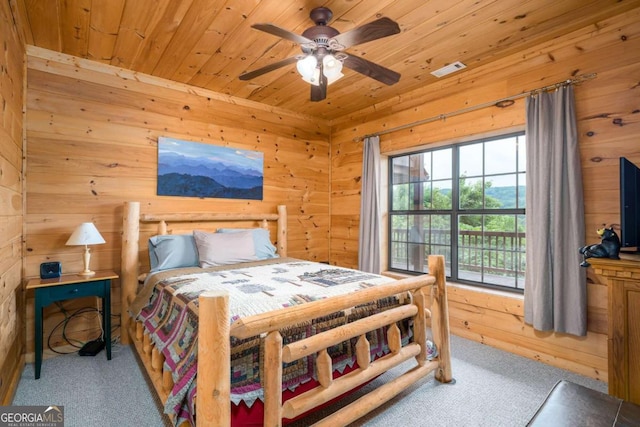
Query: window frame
{"x": 455, "y": 212}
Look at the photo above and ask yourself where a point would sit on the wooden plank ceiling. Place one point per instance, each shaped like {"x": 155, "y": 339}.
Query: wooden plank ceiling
{"x": 209, "y": 43}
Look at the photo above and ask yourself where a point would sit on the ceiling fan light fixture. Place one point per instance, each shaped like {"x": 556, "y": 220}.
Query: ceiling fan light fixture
{"x": 314, "y": 79}
{"x": 322, "y": 58}
{"x": 334, "y": 78}
{"x": 331, "y": 67}
{"x": 307, "y": 66}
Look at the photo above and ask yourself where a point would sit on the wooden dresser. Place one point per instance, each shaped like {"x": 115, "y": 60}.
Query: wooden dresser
{"x": 623, "y": 283}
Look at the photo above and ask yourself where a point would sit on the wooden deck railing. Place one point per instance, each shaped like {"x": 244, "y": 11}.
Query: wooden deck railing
{"x": 494, "y": 252}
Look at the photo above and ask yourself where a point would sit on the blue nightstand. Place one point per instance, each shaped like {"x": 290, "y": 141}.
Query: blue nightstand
{"x": 71, "y": 286}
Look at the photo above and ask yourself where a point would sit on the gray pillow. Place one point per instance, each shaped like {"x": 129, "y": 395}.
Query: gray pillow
{"x": 261, "y": 241}
{"x": 224, "y": 248}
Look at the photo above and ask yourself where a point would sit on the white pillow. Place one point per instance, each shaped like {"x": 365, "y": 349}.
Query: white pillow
{"x": 224, "y": 248}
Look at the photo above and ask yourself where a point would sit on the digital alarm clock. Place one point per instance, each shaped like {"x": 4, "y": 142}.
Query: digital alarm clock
{"x": 50, "y": 270}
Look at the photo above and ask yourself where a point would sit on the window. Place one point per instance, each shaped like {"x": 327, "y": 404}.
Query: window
{"x": 466, "y": 202}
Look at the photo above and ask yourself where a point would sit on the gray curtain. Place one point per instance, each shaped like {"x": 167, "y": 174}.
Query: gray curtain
{"x": 369, "y": 240}
{"x": 555, "y": 296}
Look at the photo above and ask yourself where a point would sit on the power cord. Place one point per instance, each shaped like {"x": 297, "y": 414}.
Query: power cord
{"x": 77, "y": 313}
{"x": 115, "y": 339}
{"x": 69, "y": 316}
{"x": 64, "y": 322}
{"x": 64, "y": 329}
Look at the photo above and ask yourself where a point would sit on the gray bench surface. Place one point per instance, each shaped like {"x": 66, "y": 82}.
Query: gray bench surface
{"x": 569, "y": 405}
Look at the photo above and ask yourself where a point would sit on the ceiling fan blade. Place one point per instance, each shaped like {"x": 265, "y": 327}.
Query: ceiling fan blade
{"x": 377, "y": 29}
{"x": 260, "y": 71}
{"x": 372, "y": 70}
{"x": 282, "y": 33}
{"x": 318, "y": 93}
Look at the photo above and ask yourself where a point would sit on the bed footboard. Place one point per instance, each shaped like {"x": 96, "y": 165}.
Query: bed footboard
{"x": 428, "y": 299}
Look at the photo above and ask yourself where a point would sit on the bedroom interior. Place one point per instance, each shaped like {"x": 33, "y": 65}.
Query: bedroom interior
{"x": 89, "y": 86}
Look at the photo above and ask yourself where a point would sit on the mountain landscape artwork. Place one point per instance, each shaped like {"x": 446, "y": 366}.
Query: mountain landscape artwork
{"x": 191, "y": 169}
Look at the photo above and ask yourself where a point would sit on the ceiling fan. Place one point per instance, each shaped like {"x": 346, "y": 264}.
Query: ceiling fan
{"x": 323, "y": 53}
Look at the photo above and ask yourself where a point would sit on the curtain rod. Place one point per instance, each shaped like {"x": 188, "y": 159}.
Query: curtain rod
{"x": 502, "y": 103}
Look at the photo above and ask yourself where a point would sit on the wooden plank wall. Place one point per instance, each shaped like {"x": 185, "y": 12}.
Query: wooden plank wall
{"x": 11, "y": 210}
{"x": 92, "y": 133}
{"x": 608, "y": 111}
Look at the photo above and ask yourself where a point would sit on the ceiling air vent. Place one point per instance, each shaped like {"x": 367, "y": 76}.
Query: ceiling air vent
{"x": 448, "y": 69}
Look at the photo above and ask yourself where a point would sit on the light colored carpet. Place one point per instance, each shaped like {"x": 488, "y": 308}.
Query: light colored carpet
{"x": 493, "y": 388}
{"x": 93, "y": 390}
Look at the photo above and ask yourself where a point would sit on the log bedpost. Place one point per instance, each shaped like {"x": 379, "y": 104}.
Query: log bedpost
{"x": 282, "y": 230}
{"x": 440, "y": 318}
{"x": 420, "y": 324}
{"x": 273, "y": 379}
{"x": 129, "y": 264}
{"x": 213, "y": 407}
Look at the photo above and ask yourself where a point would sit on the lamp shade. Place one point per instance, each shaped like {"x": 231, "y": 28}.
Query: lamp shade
{"x": 85, "y": 234}
{"x": 334, "y": 78}
{"x": 307, "y": 65}
{"x": 314, "y": 79}
{"x": 331, "y": 66}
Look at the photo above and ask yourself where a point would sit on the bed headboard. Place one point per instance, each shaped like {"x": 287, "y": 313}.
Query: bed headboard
{"x": 131, "y": 240}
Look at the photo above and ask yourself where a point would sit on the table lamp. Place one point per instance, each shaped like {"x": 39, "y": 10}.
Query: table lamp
{"x": 86, "y": 234}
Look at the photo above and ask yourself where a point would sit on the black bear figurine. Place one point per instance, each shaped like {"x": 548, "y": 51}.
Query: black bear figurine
{"x": 608, "y": 248}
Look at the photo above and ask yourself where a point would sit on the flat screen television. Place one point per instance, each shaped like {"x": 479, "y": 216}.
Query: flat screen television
{"x": 629, "y": 206}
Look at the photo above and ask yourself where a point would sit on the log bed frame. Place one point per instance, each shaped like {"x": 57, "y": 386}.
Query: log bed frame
{"x": 428, "y": 301}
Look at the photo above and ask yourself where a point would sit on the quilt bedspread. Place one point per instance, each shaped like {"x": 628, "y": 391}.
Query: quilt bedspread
{"x": 170, "y": 318}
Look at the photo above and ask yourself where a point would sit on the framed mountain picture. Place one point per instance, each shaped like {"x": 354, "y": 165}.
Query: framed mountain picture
{"x": 192, "y": 169}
